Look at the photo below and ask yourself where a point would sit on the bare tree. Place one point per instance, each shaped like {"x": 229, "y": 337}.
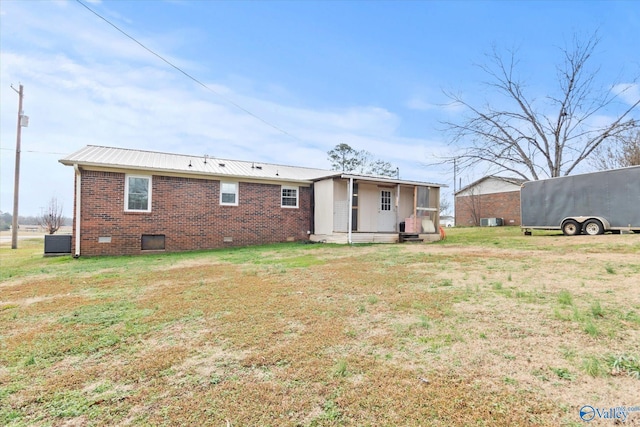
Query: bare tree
{"x": 445, "y": 204}
{"x": 532, "y": 137}
{"x": 470, "y": 204}
{"x": 52, "y": 219}
{"x": 622, "y": 152}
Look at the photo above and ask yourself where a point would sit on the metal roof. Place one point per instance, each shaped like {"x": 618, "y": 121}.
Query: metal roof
{"x": 511, "y": 180}
{"x": 124, "y": 158}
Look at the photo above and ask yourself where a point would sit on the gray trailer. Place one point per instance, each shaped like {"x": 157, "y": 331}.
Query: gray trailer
{"x": 591, "y": 203}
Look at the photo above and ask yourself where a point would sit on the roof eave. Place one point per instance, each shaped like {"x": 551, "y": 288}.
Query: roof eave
{"x": 160, "y": 171}
{"x": 391, "y": 180}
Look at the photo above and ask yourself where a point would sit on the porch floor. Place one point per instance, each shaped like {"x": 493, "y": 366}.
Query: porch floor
{"x": 363, "y": 237}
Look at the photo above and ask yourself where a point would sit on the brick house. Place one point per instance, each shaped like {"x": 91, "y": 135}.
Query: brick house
{"x": 131, "y": 202}
{"x": 489, "y": 197}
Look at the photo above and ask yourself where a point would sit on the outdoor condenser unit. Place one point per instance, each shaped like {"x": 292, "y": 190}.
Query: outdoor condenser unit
{"x": 55, "y": 244}
{"x": 491, "y": 222}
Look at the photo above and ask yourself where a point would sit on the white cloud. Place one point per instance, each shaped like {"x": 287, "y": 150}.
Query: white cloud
{"x": 420, "y": 104}
{"x": 86, "y": 84}
{"x": 628, "y": 92}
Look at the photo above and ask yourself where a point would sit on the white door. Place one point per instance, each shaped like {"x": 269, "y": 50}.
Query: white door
{"x": 386, "y": 211}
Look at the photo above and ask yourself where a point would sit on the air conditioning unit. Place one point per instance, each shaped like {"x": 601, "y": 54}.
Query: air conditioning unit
{"x": 491, "y": 222}
{"x": 57, "y": 244}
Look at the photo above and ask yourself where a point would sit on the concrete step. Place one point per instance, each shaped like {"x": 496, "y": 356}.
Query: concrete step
{"x": 409, "y": 237}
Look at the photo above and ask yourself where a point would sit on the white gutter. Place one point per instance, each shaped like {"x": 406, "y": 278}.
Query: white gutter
{"x": 78, "y": 210}
{"x": 350, "y": 216}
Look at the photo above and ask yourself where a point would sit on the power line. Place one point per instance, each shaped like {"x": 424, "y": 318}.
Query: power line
{"x": 238, "y": 106}
{"x": 36, "y": 151}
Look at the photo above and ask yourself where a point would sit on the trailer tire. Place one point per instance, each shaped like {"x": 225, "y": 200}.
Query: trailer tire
{"x": 593, "y": 227}
{"x": 571, "y": 228}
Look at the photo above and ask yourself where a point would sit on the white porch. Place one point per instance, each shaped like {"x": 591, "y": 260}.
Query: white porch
{"x": 357, "y": 209}
{"x": 358, "y": 237}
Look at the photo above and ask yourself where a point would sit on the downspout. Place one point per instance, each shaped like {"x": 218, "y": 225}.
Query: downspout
{"x": 350, "y": 216}
{"x": 312, "y": 222}
{"x": 78, "y": 210}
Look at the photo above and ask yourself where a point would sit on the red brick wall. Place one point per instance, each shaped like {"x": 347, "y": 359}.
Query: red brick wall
{"x": 497, "y": 205}
{"x": 188, "y": 212}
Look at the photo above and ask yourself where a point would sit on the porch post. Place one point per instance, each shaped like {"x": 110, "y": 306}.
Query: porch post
{"x": 415, "y": 208}
{"x": 397, "y": 207}
{"x": 350, "y": 216}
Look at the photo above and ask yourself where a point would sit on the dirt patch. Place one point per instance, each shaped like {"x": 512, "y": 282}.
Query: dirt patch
{"x": 500, "y": 332}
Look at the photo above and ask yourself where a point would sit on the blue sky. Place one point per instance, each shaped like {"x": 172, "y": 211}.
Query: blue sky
{"x": 367, "y": 73}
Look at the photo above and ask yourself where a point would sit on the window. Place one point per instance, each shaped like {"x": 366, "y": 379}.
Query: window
{"x": 229, "y": 193}
{"x": 289, "y": 197}
{"x": 385, "y": 200}
{"x": 137, "y": 193}
{"x": 354, "y": 208}
{"x": 423, "y": 197}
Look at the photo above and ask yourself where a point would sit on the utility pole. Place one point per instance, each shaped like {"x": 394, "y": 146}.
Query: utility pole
{"x": 22, "y": 121}
{"x": 455, "y": 170}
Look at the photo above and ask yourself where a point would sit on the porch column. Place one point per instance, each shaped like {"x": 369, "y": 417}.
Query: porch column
{"x": 397, "y": 207}
{"x": 415, "y": 209}
{"x": 350, "y": 217}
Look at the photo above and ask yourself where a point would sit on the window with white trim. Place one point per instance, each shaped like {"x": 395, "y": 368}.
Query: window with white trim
{"x": 137, "y": 193}
{"x": 289, "y": 197}
{"x": 229, "y": 193}
{"x": 385, "y": 200}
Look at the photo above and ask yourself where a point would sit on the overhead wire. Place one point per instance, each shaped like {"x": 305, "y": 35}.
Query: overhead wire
{"x": 186, "y": 74}
{"x": 35, "y": 151}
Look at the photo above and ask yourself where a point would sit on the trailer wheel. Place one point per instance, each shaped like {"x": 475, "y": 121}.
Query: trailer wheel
{"x": 571, "y": 228}
{"x": 593, "y": 227}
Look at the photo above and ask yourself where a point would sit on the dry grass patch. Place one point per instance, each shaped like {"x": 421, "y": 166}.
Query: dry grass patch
{"x": 499, "y": 330}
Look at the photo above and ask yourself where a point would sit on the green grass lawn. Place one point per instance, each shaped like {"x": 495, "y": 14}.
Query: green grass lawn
{"x": 488, "y": 327}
